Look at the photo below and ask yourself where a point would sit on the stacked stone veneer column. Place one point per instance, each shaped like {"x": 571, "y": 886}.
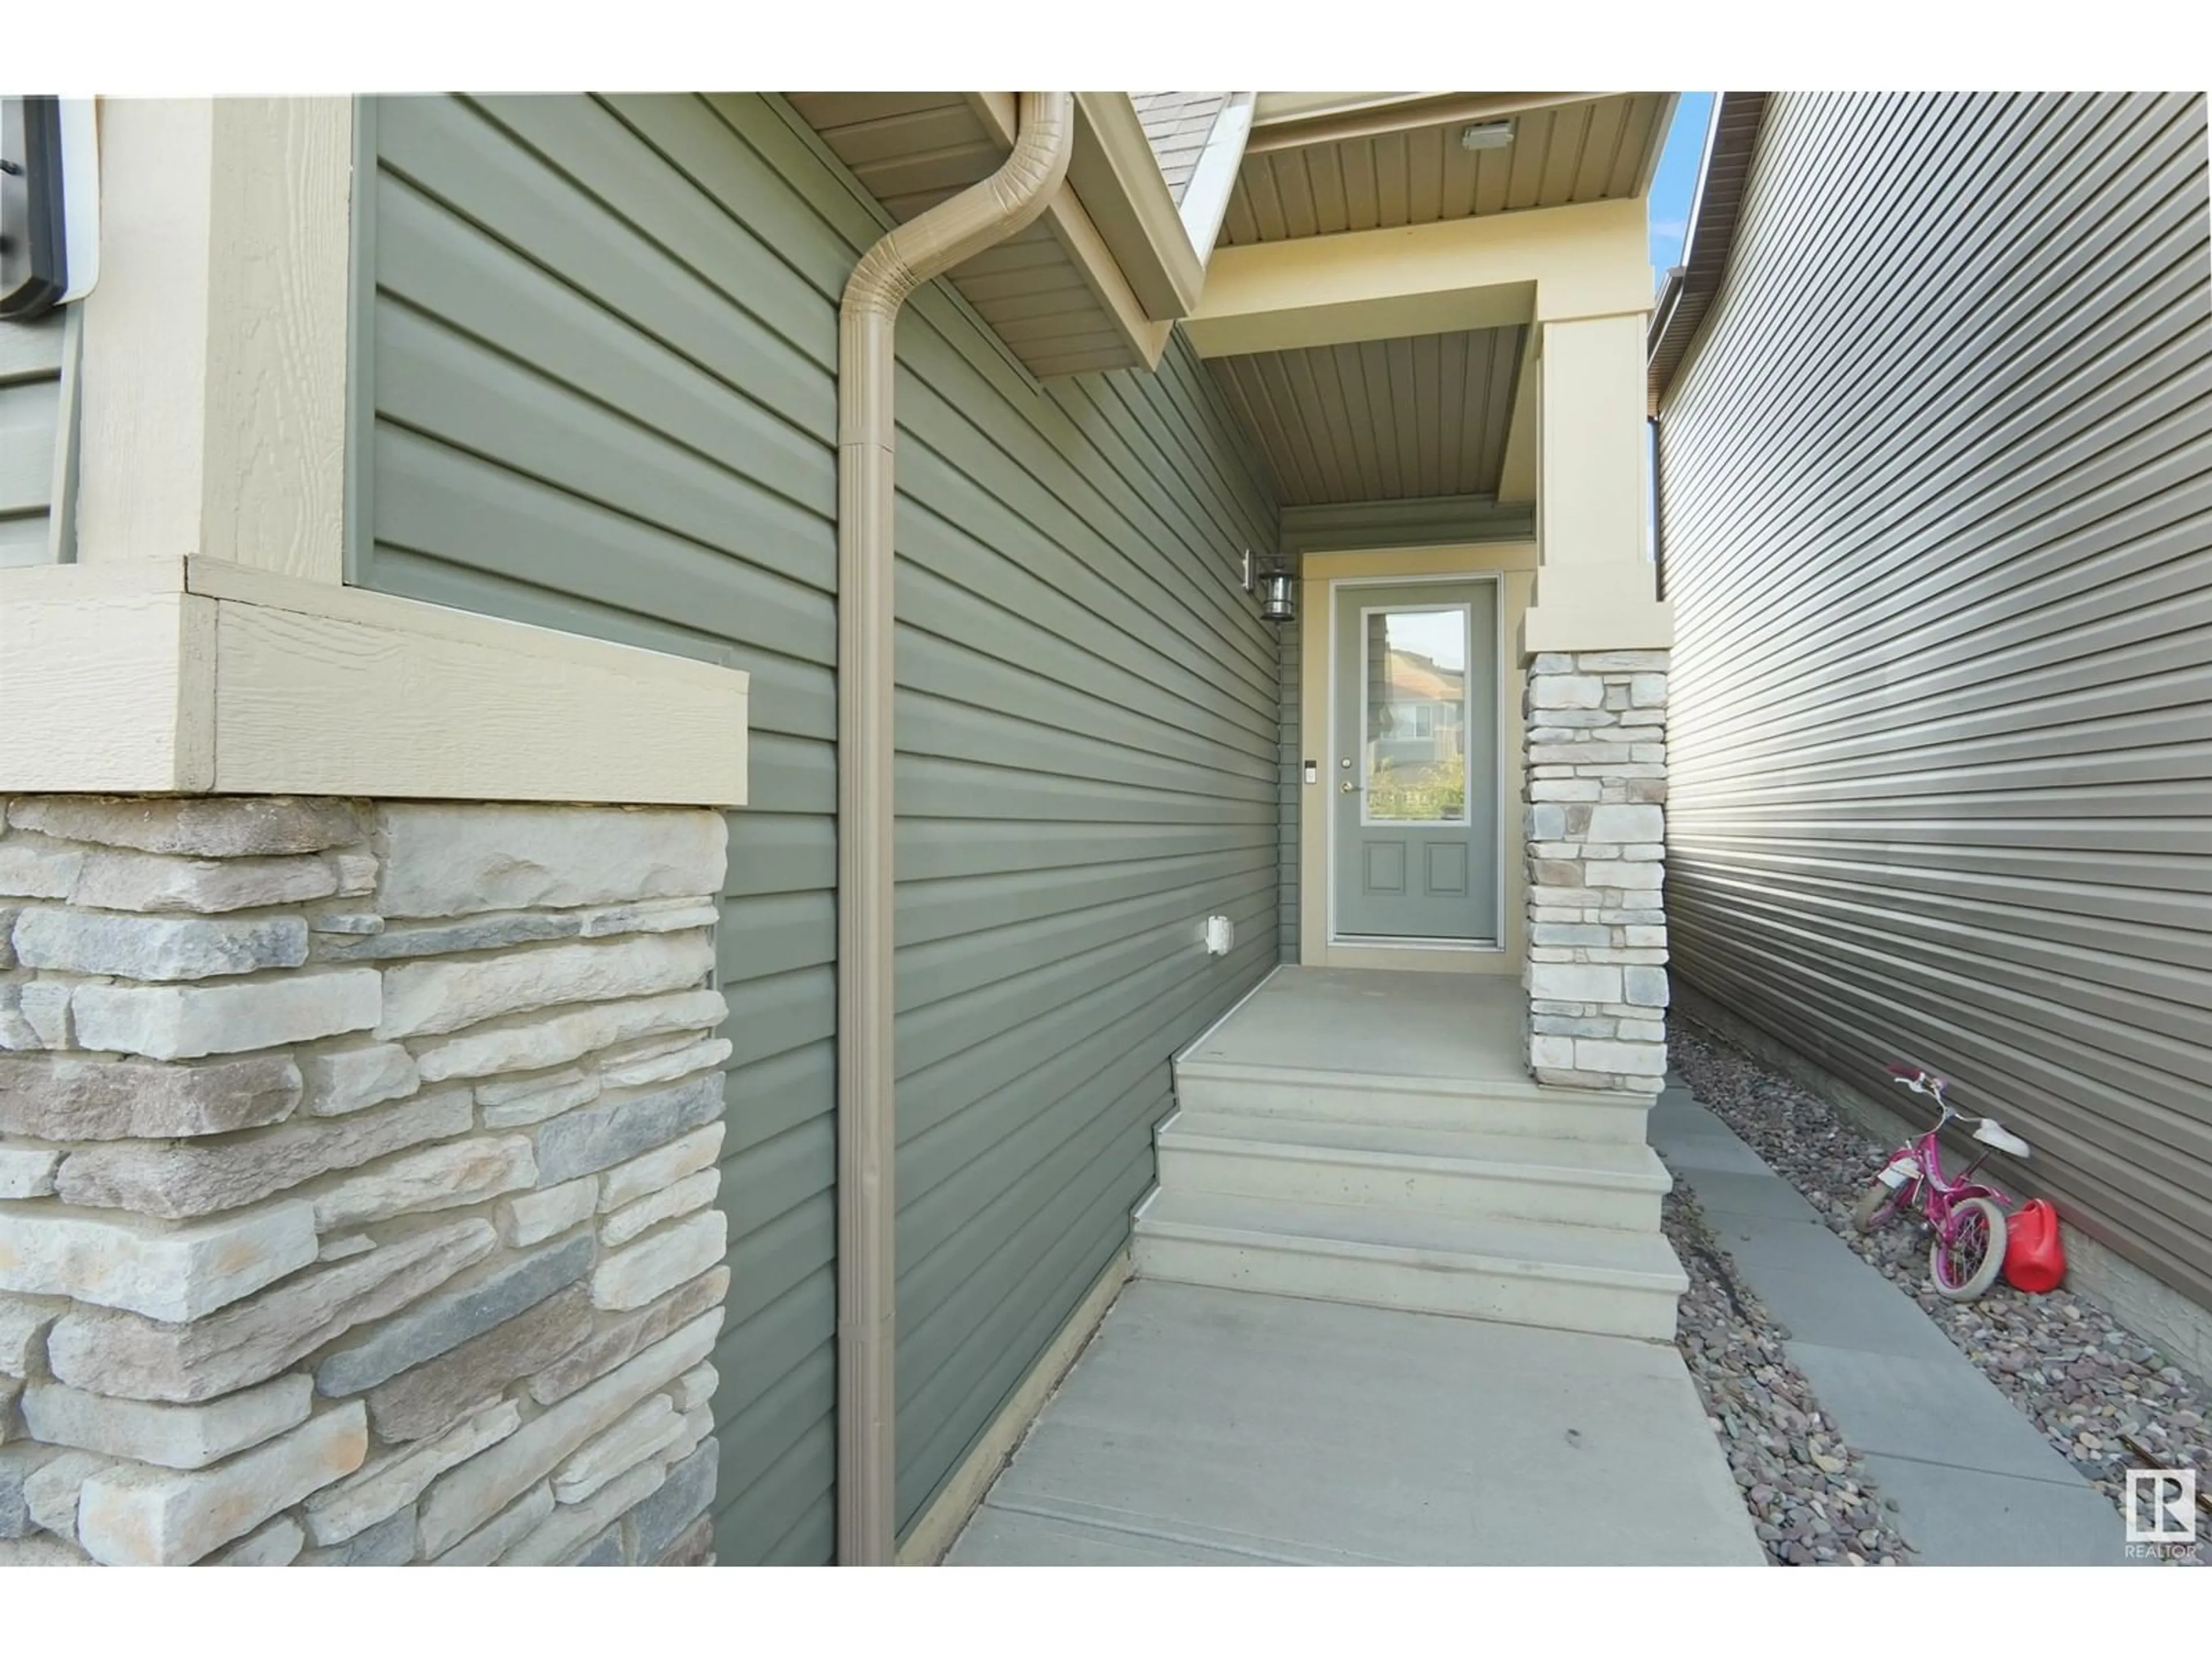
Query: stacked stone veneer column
{"x": 357, "y": 1169}
{"x": 1597, "y": 723}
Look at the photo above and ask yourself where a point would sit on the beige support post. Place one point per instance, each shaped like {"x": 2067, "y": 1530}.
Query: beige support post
{"x": 985, "y": 213}
{"x": 214, "y": 391}
{"x": 1492, "y": 271}
{"x": 1595, "y": 653}
{"x": 1594, "y": 590}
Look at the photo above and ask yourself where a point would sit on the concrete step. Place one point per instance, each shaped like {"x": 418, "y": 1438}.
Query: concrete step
{"x": 1588, "y": 1183}
{"x": 1493, "y": 1106}
{"x": 1610, "y": 1282}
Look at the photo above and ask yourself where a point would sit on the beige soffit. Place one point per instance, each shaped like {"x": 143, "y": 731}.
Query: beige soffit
{"x": 1096, "y": 282}
{"x": 1381, "y": 420}
{"x": 1364, "y": 162}
{"x": 195, "y": 676}
{"x": 1287, "y": 120}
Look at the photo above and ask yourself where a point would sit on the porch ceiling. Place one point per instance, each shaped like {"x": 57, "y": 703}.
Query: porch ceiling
{"x": 1381, "y": 420}
{"x": 1313, "y": 167}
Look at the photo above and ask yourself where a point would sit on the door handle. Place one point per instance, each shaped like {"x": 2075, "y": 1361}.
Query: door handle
{"x": 1348, "y": 787}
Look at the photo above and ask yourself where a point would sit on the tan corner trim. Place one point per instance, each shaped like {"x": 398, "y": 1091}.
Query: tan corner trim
{"x": 164, "y": 676}
{"x": 1516, "y": 473}
{"x": 939, "y": 1526}
{"x": 214, "y": 399}
{"x": 1516, "y": 562}
{"x": 1119, "y": 178}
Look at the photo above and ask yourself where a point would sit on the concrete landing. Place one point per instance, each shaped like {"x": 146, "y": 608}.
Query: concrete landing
{"x": 1976, "y": 1482}
{"x": 1206, "y": 1426}
{"x": 1466, "y": 1027}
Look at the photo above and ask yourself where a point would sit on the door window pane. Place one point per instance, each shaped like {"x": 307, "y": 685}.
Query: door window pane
{"x": 1414, "y": 672}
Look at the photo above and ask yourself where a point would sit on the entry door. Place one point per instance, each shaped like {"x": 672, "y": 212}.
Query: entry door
{"x": 1414, "y": 776}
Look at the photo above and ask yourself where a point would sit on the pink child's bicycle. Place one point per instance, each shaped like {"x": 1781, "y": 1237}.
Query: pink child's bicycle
{"x": 1965, "y": 1217}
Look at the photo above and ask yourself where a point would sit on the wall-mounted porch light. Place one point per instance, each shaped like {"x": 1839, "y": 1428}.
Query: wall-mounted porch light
{"x": 1487, "y": 135}
{"x": 1270, "y": 577}
{"x": 49, "y": 203}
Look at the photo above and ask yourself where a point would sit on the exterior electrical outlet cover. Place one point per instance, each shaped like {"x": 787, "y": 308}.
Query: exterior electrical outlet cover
{"x": 1220, "y": 934}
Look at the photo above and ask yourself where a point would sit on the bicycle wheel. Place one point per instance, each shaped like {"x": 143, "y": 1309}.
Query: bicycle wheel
{"x": 1968, "y": 1251}
{"x": 1879, "y": 1206}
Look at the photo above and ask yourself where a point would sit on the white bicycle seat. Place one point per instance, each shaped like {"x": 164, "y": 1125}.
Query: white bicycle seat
{"x": 1990, "y": 1133}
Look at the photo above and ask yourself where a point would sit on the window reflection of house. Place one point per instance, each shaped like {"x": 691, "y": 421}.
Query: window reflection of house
{"x": 1421, "y": 716}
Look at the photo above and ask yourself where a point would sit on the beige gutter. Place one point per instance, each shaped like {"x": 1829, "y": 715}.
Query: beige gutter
{"x": 985, "y": 213}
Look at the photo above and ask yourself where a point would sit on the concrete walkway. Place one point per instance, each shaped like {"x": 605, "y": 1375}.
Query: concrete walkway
{"x": 1976, "y": 1482}
{"x": 1221, "y": 1427}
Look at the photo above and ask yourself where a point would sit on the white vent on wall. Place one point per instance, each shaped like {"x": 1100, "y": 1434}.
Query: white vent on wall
{"x": 1220, "y": 934}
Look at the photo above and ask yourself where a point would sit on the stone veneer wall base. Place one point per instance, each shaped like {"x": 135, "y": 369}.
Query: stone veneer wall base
{"x": 357, "y": 1182}
{"x": 1596, "y": 830}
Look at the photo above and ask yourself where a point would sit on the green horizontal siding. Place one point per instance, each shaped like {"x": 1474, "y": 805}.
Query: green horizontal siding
{"x": 35, "y": 367}
{"x": 602, "y": 363}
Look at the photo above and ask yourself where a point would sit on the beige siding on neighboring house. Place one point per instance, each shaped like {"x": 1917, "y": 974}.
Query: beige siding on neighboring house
{"x": 33, "y": 421}
{"x": 1938, "y": 534}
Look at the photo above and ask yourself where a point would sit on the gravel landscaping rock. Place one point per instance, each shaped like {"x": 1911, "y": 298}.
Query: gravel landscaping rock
{"x": 1809, "y": 1497}
{"x": 2064, "y": 1361}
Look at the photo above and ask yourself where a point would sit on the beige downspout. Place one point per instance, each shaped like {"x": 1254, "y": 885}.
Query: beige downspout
{"x": 985, "y": 213}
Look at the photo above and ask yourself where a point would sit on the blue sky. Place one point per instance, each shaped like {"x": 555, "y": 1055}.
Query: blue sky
{"x": 1677, "y": 181}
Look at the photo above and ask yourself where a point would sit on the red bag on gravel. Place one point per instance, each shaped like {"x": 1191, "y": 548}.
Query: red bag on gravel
{"x": 2034, "y": 1259}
